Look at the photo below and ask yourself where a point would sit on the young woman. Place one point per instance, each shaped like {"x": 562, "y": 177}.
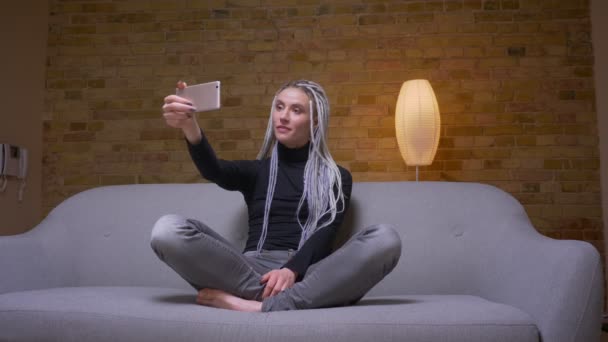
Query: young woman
{"x": 296, "y": 197}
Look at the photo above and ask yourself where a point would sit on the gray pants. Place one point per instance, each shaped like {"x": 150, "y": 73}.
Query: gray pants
{"x": 206, "y": 260}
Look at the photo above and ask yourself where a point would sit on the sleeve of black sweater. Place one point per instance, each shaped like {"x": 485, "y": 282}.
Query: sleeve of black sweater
{"x": 318, "y": 246}
{"x": 228, "y": 174}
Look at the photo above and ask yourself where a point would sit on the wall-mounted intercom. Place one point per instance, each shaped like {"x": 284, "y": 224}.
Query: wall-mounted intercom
{"x": 13, "y": 163}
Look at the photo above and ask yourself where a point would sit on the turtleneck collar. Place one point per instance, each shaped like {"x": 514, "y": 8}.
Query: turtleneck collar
{"x": 293, "y": 155}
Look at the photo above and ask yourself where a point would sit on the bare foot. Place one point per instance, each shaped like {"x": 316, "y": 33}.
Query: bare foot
{"x": 224, "y": 300}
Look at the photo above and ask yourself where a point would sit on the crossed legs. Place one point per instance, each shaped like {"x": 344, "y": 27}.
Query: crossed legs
{"x": 225, "y": 278}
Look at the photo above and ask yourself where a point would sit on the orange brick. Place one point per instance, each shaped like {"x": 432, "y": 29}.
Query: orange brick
{"x": 381, "y": 132}
{"x": 359, "y": 167}
{"x": 116, "y": 179}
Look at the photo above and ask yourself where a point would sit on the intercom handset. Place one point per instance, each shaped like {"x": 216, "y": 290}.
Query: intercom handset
{"x": 22, "y": 163}
{"x": 3, "y": 177}
{"x": 13, "y": 163}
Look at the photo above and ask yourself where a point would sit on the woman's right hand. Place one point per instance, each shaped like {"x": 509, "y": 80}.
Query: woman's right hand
{"x": 179, "y": 113}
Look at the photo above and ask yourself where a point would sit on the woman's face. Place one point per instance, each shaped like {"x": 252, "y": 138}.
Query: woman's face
{"x": 291, "y": 117}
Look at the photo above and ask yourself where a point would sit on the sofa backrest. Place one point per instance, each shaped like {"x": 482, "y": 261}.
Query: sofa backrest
{"x": 448, "y": 230}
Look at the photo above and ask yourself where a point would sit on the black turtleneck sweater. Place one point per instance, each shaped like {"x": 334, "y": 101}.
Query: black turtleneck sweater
{"x": 250, "y": 177}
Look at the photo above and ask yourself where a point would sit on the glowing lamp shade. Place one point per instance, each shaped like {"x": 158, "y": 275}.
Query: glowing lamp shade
{"x": 417, "y": 122}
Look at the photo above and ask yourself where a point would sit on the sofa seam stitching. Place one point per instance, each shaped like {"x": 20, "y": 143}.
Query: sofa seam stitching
{"x": 222, "y": 323}
{"x": 580, "y": 319}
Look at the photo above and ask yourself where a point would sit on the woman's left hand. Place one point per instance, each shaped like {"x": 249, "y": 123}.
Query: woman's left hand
{"x": 277, "y": 281}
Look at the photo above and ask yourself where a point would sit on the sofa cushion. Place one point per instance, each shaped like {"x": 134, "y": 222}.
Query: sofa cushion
{"x": 159, "y": 314}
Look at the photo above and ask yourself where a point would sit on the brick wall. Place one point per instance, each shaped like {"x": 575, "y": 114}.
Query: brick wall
{"x": 514, "y": 81}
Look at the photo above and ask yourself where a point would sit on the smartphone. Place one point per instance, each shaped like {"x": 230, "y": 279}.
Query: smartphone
{"x": 204, "y": 96}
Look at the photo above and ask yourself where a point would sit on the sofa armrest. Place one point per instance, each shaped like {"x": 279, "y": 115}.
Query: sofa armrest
{"x": 558, "y": 282}
{"x": 33, "y": 260}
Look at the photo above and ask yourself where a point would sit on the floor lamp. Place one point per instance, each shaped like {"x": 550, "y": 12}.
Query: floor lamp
{"x": 417, "y": 123}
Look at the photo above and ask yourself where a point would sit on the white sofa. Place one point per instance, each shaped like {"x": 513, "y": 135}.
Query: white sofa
{"x": 472, "y": 269}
